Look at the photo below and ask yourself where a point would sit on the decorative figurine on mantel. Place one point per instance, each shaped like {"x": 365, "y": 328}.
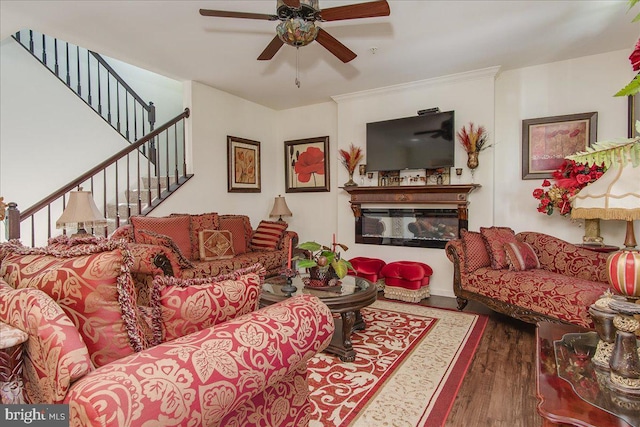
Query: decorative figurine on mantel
{"x": 350, "y": 160}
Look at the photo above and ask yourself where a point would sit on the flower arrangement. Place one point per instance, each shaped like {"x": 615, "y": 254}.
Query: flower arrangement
{"x": 322, "y": 256}
{"x": 3, "y": 208}
{"x": 474, "y": 139}
{"x": 351, "y": 158}
{"x": 569, "y": 178}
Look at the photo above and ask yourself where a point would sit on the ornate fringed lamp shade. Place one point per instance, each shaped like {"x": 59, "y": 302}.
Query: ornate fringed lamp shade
{"x": 81, "y": 212}
{"x": 616, "y": 196}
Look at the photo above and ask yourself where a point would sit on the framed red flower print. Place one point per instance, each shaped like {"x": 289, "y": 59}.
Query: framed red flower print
{"x": 307, "y": 165}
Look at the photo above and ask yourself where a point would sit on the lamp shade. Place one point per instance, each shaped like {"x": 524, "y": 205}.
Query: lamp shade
{"x": 81, "y": 211}
{"x": 280, "y": 208}
{"x": 615, "y": 195}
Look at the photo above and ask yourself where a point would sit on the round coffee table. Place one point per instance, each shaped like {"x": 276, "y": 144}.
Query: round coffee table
{"x": 354, "y": 294}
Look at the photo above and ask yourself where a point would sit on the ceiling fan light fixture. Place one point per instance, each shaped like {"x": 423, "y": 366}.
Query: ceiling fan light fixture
{"x": 297, "y": 32}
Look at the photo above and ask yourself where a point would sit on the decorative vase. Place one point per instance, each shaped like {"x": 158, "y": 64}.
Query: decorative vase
{"x": 321, "y": 277}
{"x": 351, "y": 182}
{"x": 623, "y": 271}
{"x": 472, "y": 160}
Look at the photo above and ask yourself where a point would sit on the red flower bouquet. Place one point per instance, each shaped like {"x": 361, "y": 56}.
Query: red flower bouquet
{"x": 570, "y": 178}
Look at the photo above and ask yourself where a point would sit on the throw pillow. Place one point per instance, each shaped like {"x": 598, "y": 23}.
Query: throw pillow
{"x": 151, "y": 238}
{"x": 190, "y": 305}
{"x": 199, "y": 222}
{"x": 240, "y": 228}
{"x": 178, "y": 228}
{"x": 215, "y": 244}
{"x": 495, "y": 238}
{"x": 521, "y": 256}
{"x": 268, "y": 235}
{"x": 93, "y": 285}
{"x": 475, "y": 250}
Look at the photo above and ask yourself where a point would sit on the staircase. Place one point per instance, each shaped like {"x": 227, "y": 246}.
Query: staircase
{"x": 133, "y": 181}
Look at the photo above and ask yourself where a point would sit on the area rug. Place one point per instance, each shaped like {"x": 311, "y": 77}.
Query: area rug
{"x": 410, "y": 363}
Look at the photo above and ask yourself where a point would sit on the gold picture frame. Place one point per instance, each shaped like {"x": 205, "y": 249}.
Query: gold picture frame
{"x": 243, "y": 165}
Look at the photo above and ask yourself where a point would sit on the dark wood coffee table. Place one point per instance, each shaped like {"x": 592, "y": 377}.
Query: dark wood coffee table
{"x": 571, "y": 391}
{"x": 347, "y": 301}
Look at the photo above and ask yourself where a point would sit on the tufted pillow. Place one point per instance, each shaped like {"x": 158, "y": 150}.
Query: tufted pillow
{"x": 475, "y": 250}
{"x": 268, "y": 235}
{"x": 215, "y": 244}
{"x": 240, "y": 228}
{"x": 178, "y": 228}
{"x": 521, "y": 256}
{"x": 495, "y": 239}
{"x": 93, "y": 285}
{"x": 199, "y": 222}
{"x": 151, "y": 238}
{"x": 190, "y": 305}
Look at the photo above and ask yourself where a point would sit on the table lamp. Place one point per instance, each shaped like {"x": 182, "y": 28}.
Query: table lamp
{"x": 81, "y": 212}
{"x": 280, "y": 208}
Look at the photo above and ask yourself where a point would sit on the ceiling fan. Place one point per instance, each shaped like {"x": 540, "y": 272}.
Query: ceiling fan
{"x": 297, "y": 27}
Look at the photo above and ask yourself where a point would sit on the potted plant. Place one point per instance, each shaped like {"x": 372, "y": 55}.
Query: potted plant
{"x": 323, "y": 262}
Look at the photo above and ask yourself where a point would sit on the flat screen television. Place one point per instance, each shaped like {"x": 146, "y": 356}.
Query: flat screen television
{"x": 420, "y": 142}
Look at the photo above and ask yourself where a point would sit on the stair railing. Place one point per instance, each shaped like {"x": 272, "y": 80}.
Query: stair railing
{"x": 107, "y": 181}
{"x": 90, "y": 77}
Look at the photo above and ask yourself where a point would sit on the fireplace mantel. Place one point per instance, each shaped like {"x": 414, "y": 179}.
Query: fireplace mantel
{"x": 455, "y": 194}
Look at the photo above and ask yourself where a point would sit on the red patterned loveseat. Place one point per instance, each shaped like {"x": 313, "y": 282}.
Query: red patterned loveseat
{"x": 204, "y": 245}
{"x": 200, "y": 354}
{"x": 530, "y": 276}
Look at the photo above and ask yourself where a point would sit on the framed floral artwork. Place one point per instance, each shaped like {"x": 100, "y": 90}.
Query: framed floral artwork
{"x": 634, "y": 114}
{"x": 307, "y": 165}
{"x": 243, "y": 165}
{"x": 547, "y": 141}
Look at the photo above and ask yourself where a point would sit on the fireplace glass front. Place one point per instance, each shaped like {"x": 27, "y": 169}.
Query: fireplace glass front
{"x": 426, "y": 228}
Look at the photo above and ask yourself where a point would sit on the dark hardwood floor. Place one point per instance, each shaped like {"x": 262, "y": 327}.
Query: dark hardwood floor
{"x": 500, "y": 386}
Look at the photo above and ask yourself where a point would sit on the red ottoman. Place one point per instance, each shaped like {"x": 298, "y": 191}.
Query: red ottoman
{"x": 368, "y": 268}
{"x": 406, "y": 280}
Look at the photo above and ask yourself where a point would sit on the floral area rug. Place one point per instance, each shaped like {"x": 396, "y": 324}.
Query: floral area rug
{"x": 410, "y": 363}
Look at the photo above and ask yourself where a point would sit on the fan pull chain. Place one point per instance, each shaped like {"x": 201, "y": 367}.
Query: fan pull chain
{"x": 297, "y": 67}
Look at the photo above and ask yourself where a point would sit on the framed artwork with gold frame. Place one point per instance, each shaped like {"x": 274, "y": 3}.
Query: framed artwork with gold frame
{"x": 243, "y": 165}
{"x": 306, "y": 163}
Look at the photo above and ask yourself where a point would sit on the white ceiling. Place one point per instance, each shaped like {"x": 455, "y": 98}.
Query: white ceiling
{"x": 420, "y": 40}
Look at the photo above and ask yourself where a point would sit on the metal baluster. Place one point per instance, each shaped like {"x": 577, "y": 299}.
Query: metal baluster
{"x": 109, "y": 99}
{"x": 44, "y": 51}
{"x": 68, "y": 66}
{"x": 118, "y": 103}
{"x": 126, "y": 112}
{"x": 55, "y": 52}
{"x": 78, "y": 62}
{"x": 167, "y": 166}
{"x": 100, "y": 90}
{"x": 89, "y": 77}
{"x": 31, "y": 41}
{"x": 175, "y": 145}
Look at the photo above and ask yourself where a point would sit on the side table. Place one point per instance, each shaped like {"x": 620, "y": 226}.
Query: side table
{"x": 598, "y": 248}
{"x": 11, "y": 387}
{"x": 571, "y": 391}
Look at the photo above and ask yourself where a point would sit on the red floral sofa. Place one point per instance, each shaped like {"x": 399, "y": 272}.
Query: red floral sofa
{"x": 530, "y": 276}
{"x": 199, "y": 354}
{"x": 204, "y": 245}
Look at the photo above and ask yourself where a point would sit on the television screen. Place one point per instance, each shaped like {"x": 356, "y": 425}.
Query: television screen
{"x": 420, "y": 142}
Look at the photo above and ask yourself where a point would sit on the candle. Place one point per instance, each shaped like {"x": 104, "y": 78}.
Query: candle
{"x": 333, "y": 242}
{"x": 289, "y": 257}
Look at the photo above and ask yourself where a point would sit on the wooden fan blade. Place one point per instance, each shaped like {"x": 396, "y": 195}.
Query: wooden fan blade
{"x": 292, "y": 3}
{"x": 271, "y": 49}
{"x": 330, "y": 43}
{"x": 229, "y": 14}
{"x": 354, "y": 11}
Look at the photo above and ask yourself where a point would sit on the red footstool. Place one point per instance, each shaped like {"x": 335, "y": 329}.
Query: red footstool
{"x": 368, "y": 268}
{"x": 406, "y": 280}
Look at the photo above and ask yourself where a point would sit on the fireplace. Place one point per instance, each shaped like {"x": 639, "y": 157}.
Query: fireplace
{"x": 422, "y": 228}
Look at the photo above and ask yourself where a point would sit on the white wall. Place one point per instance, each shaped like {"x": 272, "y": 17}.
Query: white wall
{"x": 576, "y": 86}
{"x": 48, "y": 135}
{"x": 214, "y": 115}
{"x": 471, "y": 95}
